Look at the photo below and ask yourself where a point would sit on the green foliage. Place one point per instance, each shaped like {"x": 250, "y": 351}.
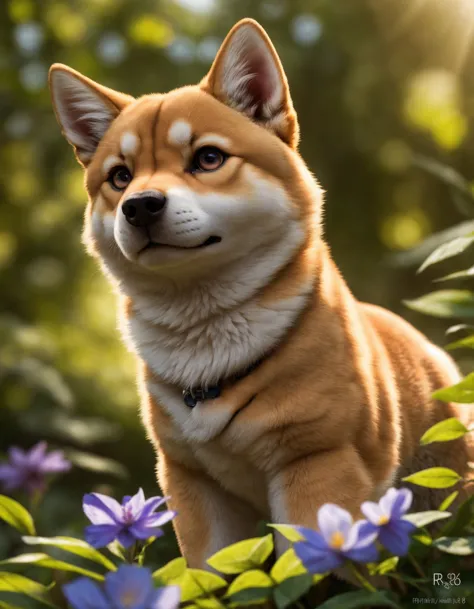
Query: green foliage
{"x": 447, "y": 250}
{"x": 444, "y": 431}
{"x": 243, "y": 555}
{"x": 462, "y": 392}
{"x": 291, "y": 589}
{"x": 434, "y": 477}
{"x": 460, "y": 546}
{"x": 16, "y": 515}
{"x": 423, "y": 519}
{"x": 45, "y": 561}
{"x": 359, "y": 600}
{"x": 73, "y": 546}
{"x": 445, "y": 303}
{"x": 16, "y": 589}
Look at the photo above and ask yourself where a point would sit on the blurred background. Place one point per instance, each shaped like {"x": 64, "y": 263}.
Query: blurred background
{"x": 385, "y": 95}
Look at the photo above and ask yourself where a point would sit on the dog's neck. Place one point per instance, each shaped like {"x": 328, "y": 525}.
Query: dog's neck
{"x": 207, "y": 332}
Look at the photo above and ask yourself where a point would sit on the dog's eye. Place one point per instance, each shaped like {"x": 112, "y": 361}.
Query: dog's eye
{"x": 119, "y": 177}
{"x": 208, "y": 158}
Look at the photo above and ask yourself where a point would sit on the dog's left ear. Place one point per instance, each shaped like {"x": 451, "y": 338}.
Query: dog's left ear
{"x": 247, "y": 75}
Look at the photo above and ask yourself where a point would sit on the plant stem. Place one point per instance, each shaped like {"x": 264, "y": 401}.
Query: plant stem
{"x": 416, "y": 565}
{"x": 361, "y": 579}
{"x": 131, "y": 553}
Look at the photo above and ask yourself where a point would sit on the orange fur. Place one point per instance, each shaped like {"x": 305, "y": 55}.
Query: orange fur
{"x": 335, "y": 410}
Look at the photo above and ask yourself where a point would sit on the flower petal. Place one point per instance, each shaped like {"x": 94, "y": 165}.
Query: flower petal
{"x": 36, "y": 454}
{"x": 136, "y": 504}
{"x": 314, "y": 538}
{"x": 127, "y": 538}
{"x": 396, "y": 537}
{"x": 366, "y": 533}
{"x": 315, "y": 561}
{"x": 372, "y": 511}
{"x": 152, "y": 504}
{"x": 83, "y": 593}
{"x": 387, "y": 501}
{"x": 363, "y": 554}
{"x": 166, "y": 598}
{"x": 55, "y": 462}
{"x": 17, "y": 456}
{"x": 100, "y": 535}
{"x": 11, "y": 477}
{"x": 131, "y": 584}
{"x": 158, "y": 520}
{"x": 139, "y": 531}
{"x": 402, "y": 502}
{"x": 332, "y": 519}
{"x": 101, "y": 509}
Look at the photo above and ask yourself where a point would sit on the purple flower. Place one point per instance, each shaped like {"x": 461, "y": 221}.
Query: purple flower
{"x": 27, "y": 470}
{"x": 386, "y": 519}
{"x": 339, "y": 539}
{"x": 134, "y": 519}
{"x": 130, "y": 587}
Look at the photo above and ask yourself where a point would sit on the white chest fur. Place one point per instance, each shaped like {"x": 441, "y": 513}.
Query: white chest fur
{"x": 214, "y": 348}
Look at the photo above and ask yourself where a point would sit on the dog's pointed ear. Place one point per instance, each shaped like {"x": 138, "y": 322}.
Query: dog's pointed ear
{"x": 84, "y": 109}
{"x": 247, "y": 75}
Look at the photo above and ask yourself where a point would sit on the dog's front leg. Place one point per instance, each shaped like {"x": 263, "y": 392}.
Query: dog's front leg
{"x": 302, "y": 486}
{"x": 209, "y": 518}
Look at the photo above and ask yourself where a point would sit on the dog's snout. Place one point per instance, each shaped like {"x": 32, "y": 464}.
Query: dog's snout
{"x": 144, "y": 209}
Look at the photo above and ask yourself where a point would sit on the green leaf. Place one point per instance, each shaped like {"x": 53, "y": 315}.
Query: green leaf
{"x": 288, "y": 565}
{"x": 74, "y": 546}
{"x": 461, "y": 393}
{"x": 243, "y": 555}
{"x": 116, "y": 549}
{"x": 465, "y": 274}
{"x": 423, "y": 519}
{"x": 458, "y": 328}
{"x": 462, "y": 343}
{"x": 444, "y": 303}
{"x": 387, "y": 566}
{"x": 43, "y": 560}
{"x": 253, "y": 586}
{"x": 97, "y": 464}
{"x": 171, "y": 573}
{"x": 207, "y": 603}
{"x": 290, "y": 590}
{"x": 359, "y": 599}
{"x": 460, "y": 546}
{"x": 462, "y": 518}
{"x": 423, "y": 538}
{"x": 434, "y": 477}
{"x": 196, "y": 583}
{"x": 444, "y": 431}
{"x": 13, "y": 585}
{"x": 16, "y": 516}
{"x": 448, "y": 501}
{"x": 447, "y": 250}
{"x": 288, "y": 532}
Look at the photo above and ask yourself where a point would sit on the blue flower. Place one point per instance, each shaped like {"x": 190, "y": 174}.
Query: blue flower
{"x": 133, "y": 520}
{"x": 339, "y": 539}
{"x": 27, "y": 470}
{"x": 130, "y": 587}
{"x": 386, "y": 518}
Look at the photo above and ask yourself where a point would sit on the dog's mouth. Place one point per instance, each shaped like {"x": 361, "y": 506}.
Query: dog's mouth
{"x": 152, "y": 245}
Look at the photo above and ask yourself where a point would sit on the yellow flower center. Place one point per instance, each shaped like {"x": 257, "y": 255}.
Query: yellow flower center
{"x": 128, "y": 599}
{"x": 383, "y": 520}
{"x": 337, "y": 540}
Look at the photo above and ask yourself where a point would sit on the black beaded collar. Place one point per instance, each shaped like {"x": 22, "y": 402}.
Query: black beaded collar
{"x": 193, "y": 395}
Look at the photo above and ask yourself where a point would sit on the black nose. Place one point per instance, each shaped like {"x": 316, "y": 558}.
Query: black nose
{"x": 144, "y": 209}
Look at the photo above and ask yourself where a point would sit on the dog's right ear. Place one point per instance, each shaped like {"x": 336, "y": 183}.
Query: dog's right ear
{"x": 84, "y": 109}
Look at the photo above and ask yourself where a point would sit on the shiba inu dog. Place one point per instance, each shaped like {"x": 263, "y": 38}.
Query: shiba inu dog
{"x": 267, "y": 388}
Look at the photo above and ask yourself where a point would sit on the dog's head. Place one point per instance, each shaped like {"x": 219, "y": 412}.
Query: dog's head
{"x": 195, "y": 179}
